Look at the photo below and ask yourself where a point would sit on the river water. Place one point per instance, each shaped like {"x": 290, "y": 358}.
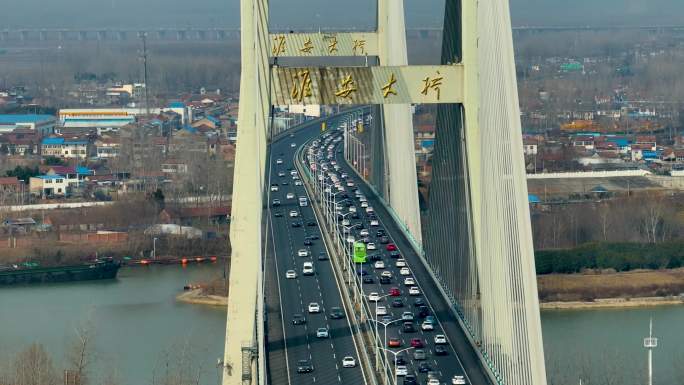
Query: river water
{"x": 138, "y": 327}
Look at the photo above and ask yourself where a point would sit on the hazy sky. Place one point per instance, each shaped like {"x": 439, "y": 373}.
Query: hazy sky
{"x": 312, "y": 13}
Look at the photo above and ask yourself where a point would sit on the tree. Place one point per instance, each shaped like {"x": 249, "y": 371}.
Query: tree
{"x": 23, "y": 173}
{"x": 80, "y": 356}
{"x": 54, "y": 161}
{"x": 33, "y": 366}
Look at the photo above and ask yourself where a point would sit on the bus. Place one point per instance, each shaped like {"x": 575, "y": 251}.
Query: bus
{"x": 303, "y": 202}
{"x": 359, "y": 252}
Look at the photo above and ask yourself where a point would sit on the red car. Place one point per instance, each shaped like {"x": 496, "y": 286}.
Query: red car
{"x": 391, "y": 247}
{"x": 394, "y": 292}
{"x": 416, "y": 343}
{"x": 394, "y": 342}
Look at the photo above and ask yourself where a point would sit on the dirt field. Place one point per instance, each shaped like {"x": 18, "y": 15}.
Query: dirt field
{"x": 589, "y": 287}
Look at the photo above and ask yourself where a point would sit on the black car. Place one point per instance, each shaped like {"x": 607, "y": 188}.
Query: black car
{"x": 408, "y": 327}
{"x": 385, "y": 280}
{"x": 355, "y": 216}
{"x": 296, "y": 224}
{"x": 322, "y": 256}
{"x": 380, "y": 233}
{"x": 298, "y": 319}
{"x": 384, "y": 240}
{"x": 441, "y": 350}
{"x": 395, "y": 254}
{"x": 307, "y": 242}
{"x": 304, "y": 366}
{"x": 419, "y": 301}
{"x": 368, "y": 279}
{"x": 376, "y": 257}
{"x": 401, "y": 360}
{"x": 336, "y": 313}
{"x": 397, "y": 302}
{"x": 423, "y": 311}
{"x": 410, "y": 379}
{"x": 311, "y": 223}
{"x": 424, "y": 367}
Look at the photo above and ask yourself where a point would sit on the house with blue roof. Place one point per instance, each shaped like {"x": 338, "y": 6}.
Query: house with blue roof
{"x": 45, "y": 124}
{"x": 64, "y": 148}
{"x": 47, "y": 186}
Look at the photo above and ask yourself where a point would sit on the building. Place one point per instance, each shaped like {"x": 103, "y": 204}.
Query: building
{"x": 113, "y": 117}
{"x": 107, "y": 147}
{"x": 63, "y": 148}
{"x": 73, "y": 176}
{"x": 530, "y": 146}
{"x": 48, "y": 185}
{"x": 45, "y": 124}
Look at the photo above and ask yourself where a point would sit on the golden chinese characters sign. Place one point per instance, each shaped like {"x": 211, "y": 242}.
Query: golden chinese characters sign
{"x": 324, "y": 44}
{"x": 368, "y": 85}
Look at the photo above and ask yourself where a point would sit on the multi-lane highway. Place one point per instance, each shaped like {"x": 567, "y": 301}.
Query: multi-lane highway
{"x": 299, "y": 352}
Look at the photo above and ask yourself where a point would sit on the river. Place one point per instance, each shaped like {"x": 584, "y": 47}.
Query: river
{"x": 138, "y": 326}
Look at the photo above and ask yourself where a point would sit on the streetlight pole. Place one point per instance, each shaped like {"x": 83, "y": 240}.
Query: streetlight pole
{"x": 395, "y": 359}
{"x": 154, "y": 248}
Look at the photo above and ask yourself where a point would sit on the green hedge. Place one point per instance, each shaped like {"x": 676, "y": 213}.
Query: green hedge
{"x": 618, "y": 256}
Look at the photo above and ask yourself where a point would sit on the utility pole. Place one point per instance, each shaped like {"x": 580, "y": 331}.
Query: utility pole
{"x": 143, "y": 36}
{"x": 649, "y": 343}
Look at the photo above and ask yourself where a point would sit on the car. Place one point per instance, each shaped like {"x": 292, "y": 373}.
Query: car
{"x": 289, "y": 196}
{"x": 424, "y": 367}
{"x": 391, "y": 247}
{"x": 419, "y": 302}
{"x": 290, "y": 274}
{"x": 440, "y": 339}
{"x": 404, "y": 271}
{"x": 361, "y": 272}
{"x": 401, "y": 370}
{"x": 433, "y": 381}
{"x": 410, "y": 379}
{"x": 407, "y": 316}
{"x": 430, "y": 319}
{"x": 417, "y": 343}
{"x": 303, "y": 253}
{"x": 304, "y": 366}
{"x": 336, "y": 313}
{"x": 298, "y": 319}
{"x": 408, "y": 327}
{"x": 307, "y": 242}
{"x": 293, "y": 145}
{"x": 386, "y": 319}
{"x": 322, "y": 256}
{"x": 423, "y": 311}
{"x": 426, "y": 326}
{"x": 293, "y": 214}
{"x": 374, "y": 222}
{"x": 276, "y": 202}
{"x": 375, "y": 297}
{"x": 371, "y": 246}
{"x": 352, "y": 209}
{"x": 397, "y": 302}
{"x": 279, "y": 161}
{"x": 281, "y": 173}
{"x": 386, "y": 273}
{"x": 369, "y": 209}
{"x": 285, "y": 183}
{"x": 384, "y": 240}
{"x": 348, "y": 362}
{"x": 409, "y": 281}
{"x": 368, "y": 279}
{"x": 375, "y": 257}
{"x": 380, "y": 310}
{"x": 364, "y": 204}
{"x": 379, "y": 265}
{"x": 458, "y": 380}
{"x": 350, "y": 239}
{"x": 395, "y": 254}
{"x": 322, "y": 333}
{"x": 413, "y": 290}
{"x": 298, "y": 182}
{"x": 364, "y": 233}
{"x": 385, "y": 280}
{"x": 441, "y": 350}
{"x": 419, "y": 355}
{"x": 355, "y": 216}
{"x": 400, "y": 263}
{"x": 311, "y": 223}
{"x": 394, "y": 342}
{"x": 278, "y": 214}
{"x": 307, "y": 268}
{"x": 314, "y": 307}
{"x": 296, "y": 224}
{"x": 394, "y": 292}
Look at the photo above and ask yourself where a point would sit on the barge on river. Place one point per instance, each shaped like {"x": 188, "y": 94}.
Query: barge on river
{"x": 100, "y": 269}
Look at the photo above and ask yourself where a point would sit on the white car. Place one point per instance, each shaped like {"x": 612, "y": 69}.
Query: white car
{"x": 350, "y": 239}
{"x": 298, "y": 182}
{"x": 386, "y": 273}
{"x": 408, "y": 281}
{"x": 374, "y": 297}
{"x": 363, "y": 199}
{"x": 379, "y": 265}
{"x": 401, "y": 370}
{"x": 371, "y": 246}
{"x": 307, "y": 268}
{"x": 374, "y": 222}
{"x": 414, "y": 290}
{"x": 400, "y": 263}
{"x": 458, "y": 380}
{"x": 279, "y": 161}
{"x": 352, "y": 209}
{"x": 427, "y": 326}
{"x": 381, "y": 310}
{"x": 314, "y": 308}
{"x": 303, "y": 252}
{"x": 433, "y": 381}
{"x": 290, "y": 274}
{"x": 369, "y": 209}
{"x": 293, "y": 214}
{"x": 281, "y": 173}
{"x": 289, "y": 196}
{"x": 293, "y": 145}
{"x": 293, "y": 172}
{"x": 405, "y": 271}
{"x": 363, "y": 204}
{"x": 322, "y": 333}
{"x": 440, "y": 339}
{"x": 345, "y": 222}
{"x": 348, "y": 362}
{"x": 350, "y": 184}
{"x": 274, "y": 187}
{"x": 363, "y": 233}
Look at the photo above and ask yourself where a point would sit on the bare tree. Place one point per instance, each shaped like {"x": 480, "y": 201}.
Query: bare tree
{"x": 80, "y": 355}
{"x": 33, "y": 366}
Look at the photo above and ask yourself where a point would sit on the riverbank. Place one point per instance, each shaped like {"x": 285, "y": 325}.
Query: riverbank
{"x": 198, "y": 297}
{"x": 612, "y": 303}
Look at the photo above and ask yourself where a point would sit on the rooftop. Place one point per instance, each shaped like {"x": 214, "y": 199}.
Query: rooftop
{"x": 25, "y": 118}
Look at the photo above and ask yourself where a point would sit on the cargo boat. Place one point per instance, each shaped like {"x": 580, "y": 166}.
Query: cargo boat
{"x": 100, "y": 269}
